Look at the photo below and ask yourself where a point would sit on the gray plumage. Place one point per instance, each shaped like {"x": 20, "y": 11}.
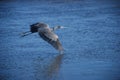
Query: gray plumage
{"x": 47, "y": 34}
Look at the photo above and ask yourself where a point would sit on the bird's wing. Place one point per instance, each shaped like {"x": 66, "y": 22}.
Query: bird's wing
{"x": 48, "y": 33}
{"x": 51, "y": 38}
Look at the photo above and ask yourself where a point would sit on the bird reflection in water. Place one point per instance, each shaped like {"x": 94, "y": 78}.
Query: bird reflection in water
{"x": 48, "y": 70}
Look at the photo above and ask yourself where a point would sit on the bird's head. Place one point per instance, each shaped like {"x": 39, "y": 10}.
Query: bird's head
{"x": 61, "y": 27}
{"x": 58, "y": 27}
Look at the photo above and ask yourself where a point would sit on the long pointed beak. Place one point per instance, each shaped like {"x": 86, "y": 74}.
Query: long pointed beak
{"x": 25, "y": 33}
{"x": 63, "y": 27}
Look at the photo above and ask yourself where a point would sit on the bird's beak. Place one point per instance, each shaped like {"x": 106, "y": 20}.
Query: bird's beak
{"x": 25, "y": 33}
{"x": 63, "y": 27}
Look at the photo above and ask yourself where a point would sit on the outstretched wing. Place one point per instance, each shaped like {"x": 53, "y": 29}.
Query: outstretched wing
{"x": 50, "y": 37}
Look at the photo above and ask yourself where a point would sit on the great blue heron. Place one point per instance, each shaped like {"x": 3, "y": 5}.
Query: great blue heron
{"x": 46, "y": 33}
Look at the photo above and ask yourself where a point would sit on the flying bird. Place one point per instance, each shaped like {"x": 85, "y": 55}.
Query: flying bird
{"x": 46, "y": 33}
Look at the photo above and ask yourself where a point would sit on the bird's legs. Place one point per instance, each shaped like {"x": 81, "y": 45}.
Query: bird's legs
{"x": 25, "y": 33}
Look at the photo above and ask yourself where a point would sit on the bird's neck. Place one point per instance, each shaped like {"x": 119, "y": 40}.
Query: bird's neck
{"x": 55, "y": 28}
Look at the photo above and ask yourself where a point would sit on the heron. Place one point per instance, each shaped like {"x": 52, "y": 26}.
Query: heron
{"x": 46, "y": 33}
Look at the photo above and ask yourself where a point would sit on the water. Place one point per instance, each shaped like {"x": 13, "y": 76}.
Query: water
{"x": 91, "y": 41}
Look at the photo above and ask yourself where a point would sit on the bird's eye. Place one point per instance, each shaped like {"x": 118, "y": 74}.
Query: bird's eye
{"x": 59, "y": 26}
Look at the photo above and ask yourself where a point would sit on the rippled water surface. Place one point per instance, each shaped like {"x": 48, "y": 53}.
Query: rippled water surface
{"x": 91, "y": 41}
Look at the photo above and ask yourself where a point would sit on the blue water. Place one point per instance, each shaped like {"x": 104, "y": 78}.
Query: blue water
{"x": 91, "y": 41}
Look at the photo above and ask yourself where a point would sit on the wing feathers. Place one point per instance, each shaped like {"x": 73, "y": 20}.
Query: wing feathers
{"x": 51, "y": 39}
